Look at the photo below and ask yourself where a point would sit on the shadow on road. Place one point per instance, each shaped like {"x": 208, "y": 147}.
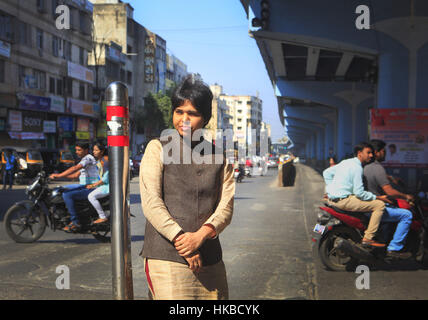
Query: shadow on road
{"x": 8, "y": 198}
{"x": 87, "y": 240}
{"x": 243, "y": 198}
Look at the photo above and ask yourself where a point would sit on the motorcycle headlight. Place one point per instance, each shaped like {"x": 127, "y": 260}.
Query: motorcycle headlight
{"x": 32, "y": 186}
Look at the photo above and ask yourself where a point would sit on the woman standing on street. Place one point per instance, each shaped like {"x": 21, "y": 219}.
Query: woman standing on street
{"x": 187, "y": 206}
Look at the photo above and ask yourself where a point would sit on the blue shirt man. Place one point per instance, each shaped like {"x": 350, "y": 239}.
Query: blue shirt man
{"x": 345, "y": 190}
{"x": 345, "y": 179}
{"x": 8, "y": 171}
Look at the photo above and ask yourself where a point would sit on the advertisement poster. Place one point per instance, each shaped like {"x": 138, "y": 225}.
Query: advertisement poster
{"x": 15, "y": 121}
{"x": 405, "y": 133}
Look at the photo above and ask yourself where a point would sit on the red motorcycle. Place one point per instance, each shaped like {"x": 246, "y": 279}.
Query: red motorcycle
{"x": 338, "y": 236}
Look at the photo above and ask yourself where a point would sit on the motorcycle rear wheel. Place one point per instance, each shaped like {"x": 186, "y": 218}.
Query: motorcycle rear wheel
{"x": 24, "y": 223}
{"x": 330, "y": 257}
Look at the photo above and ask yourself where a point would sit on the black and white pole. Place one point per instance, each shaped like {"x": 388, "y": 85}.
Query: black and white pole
{"x": 116, "y": 96}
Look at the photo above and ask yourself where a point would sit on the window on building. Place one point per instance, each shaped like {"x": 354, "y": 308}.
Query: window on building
{"x": 2, "y": 70}
{"x": 39, "y": 39}
{"x": 81, "y": 56}
{"x": 21, "y": 76}
{"x": 67, "y": 50}
{"x": 89, "y": 93}
{"x": 112, "y": 70}
{"x": 51, "y": 85}
{"x": 55, "y": 46}
{"x": 59, "y": 85}
{"x": 84, "y": 23}
{"x": 41, "y": 6}
{"x": 81, "y": 91}
{"x": 122, "y": 75}
{"x": 129, "y": 77}
{"x": 40, "y": 77}
{"x": 24, "y": 33}
{"x": 6, "y": 22}
{"x": 54, "y": 5}
{"x": 69, "y": 86}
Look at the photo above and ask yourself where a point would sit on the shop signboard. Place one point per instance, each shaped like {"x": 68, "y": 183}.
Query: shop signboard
{"x": 80, "y": 107}
{"x": 29, "y": 102}
{"x": 49, "y": 126}
{"x": 82, "y": 135}
{"x": 57, "y": 104}
{"x": 79, "y": 72}
{"x": 15, "y": 120}
{"x": 82, "y": 124}
{"x": 405, "y": 133}
{"x": 32, "y": 123}
{"x": 27, "y": 135}
{"x": 5, "y": 49}
{"x": 149, "y": 58}
{"x": 65, "y": 123}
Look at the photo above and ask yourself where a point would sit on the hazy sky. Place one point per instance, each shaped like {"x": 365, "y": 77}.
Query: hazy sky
{"x": 211, "y": 37}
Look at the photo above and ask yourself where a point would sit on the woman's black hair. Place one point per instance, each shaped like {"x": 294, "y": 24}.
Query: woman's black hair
{"x": 102, "y": 147}
{"x": 198, "y": 93}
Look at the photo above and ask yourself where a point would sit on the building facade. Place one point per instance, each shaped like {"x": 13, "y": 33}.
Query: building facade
{"x": 246, "y": 113}
{"x": 127, "y": 51}
{"x": 45, "y": 84}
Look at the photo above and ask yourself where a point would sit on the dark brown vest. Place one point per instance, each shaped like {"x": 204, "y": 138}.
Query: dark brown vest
{"x": 191, "y": 193}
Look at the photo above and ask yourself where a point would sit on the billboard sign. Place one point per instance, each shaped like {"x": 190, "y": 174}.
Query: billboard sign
{"x": 405, "y": 132}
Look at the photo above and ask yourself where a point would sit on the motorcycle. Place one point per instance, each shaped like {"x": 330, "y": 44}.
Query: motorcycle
{"x": 338, "y": 236}
{"x": 247, "y": 171}
{"x": 238, "y": 174}
{"x": 26, "y": 221}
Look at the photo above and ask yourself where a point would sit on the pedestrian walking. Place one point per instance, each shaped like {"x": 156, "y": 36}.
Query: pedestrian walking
{"x": 187, "y": 206}
{"x": 9, "y": 169}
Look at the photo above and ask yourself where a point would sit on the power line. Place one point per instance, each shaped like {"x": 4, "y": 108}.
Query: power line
{"x": 200, "y": 29}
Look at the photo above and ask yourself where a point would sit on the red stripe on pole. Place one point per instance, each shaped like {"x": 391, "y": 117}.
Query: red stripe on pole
{"x": 116, "y": 111}
{"x": 118, "y": 141}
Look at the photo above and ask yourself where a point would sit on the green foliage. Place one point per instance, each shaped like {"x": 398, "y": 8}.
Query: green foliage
{"x": 156, "y": 115}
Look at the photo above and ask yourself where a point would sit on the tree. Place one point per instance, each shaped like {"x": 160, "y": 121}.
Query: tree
{"x": 156, "y": 114}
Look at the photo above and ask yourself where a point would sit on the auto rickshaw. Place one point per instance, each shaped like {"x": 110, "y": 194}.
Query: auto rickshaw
{"x": 66, "y": 160}
{"x": 30, "y": 162}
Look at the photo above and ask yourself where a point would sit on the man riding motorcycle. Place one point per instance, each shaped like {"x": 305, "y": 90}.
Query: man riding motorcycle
{"x": 377, "y": 182}
{"x": 87, "y": 172}
{"x": 345, "y": 190}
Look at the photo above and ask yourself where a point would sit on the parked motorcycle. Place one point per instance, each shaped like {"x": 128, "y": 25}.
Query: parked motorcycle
{"x": 338, "y": 236}
{"x": 26, "y": 221}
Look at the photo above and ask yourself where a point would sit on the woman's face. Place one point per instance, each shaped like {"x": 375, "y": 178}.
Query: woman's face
{"x": 97, "y": 152}
{"x": 186, "y": 119}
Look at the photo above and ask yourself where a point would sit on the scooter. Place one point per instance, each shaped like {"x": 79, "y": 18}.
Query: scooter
{"x": 338, "y": 234}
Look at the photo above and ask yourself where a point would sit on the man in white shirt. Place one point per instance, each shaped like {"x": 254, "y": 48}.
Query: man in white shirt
{"x": 87, "y": 172}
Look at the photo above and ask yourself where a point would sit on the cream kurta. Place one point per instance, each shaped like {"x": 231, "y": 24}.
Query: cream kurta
{"x": 173, "y": 280}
